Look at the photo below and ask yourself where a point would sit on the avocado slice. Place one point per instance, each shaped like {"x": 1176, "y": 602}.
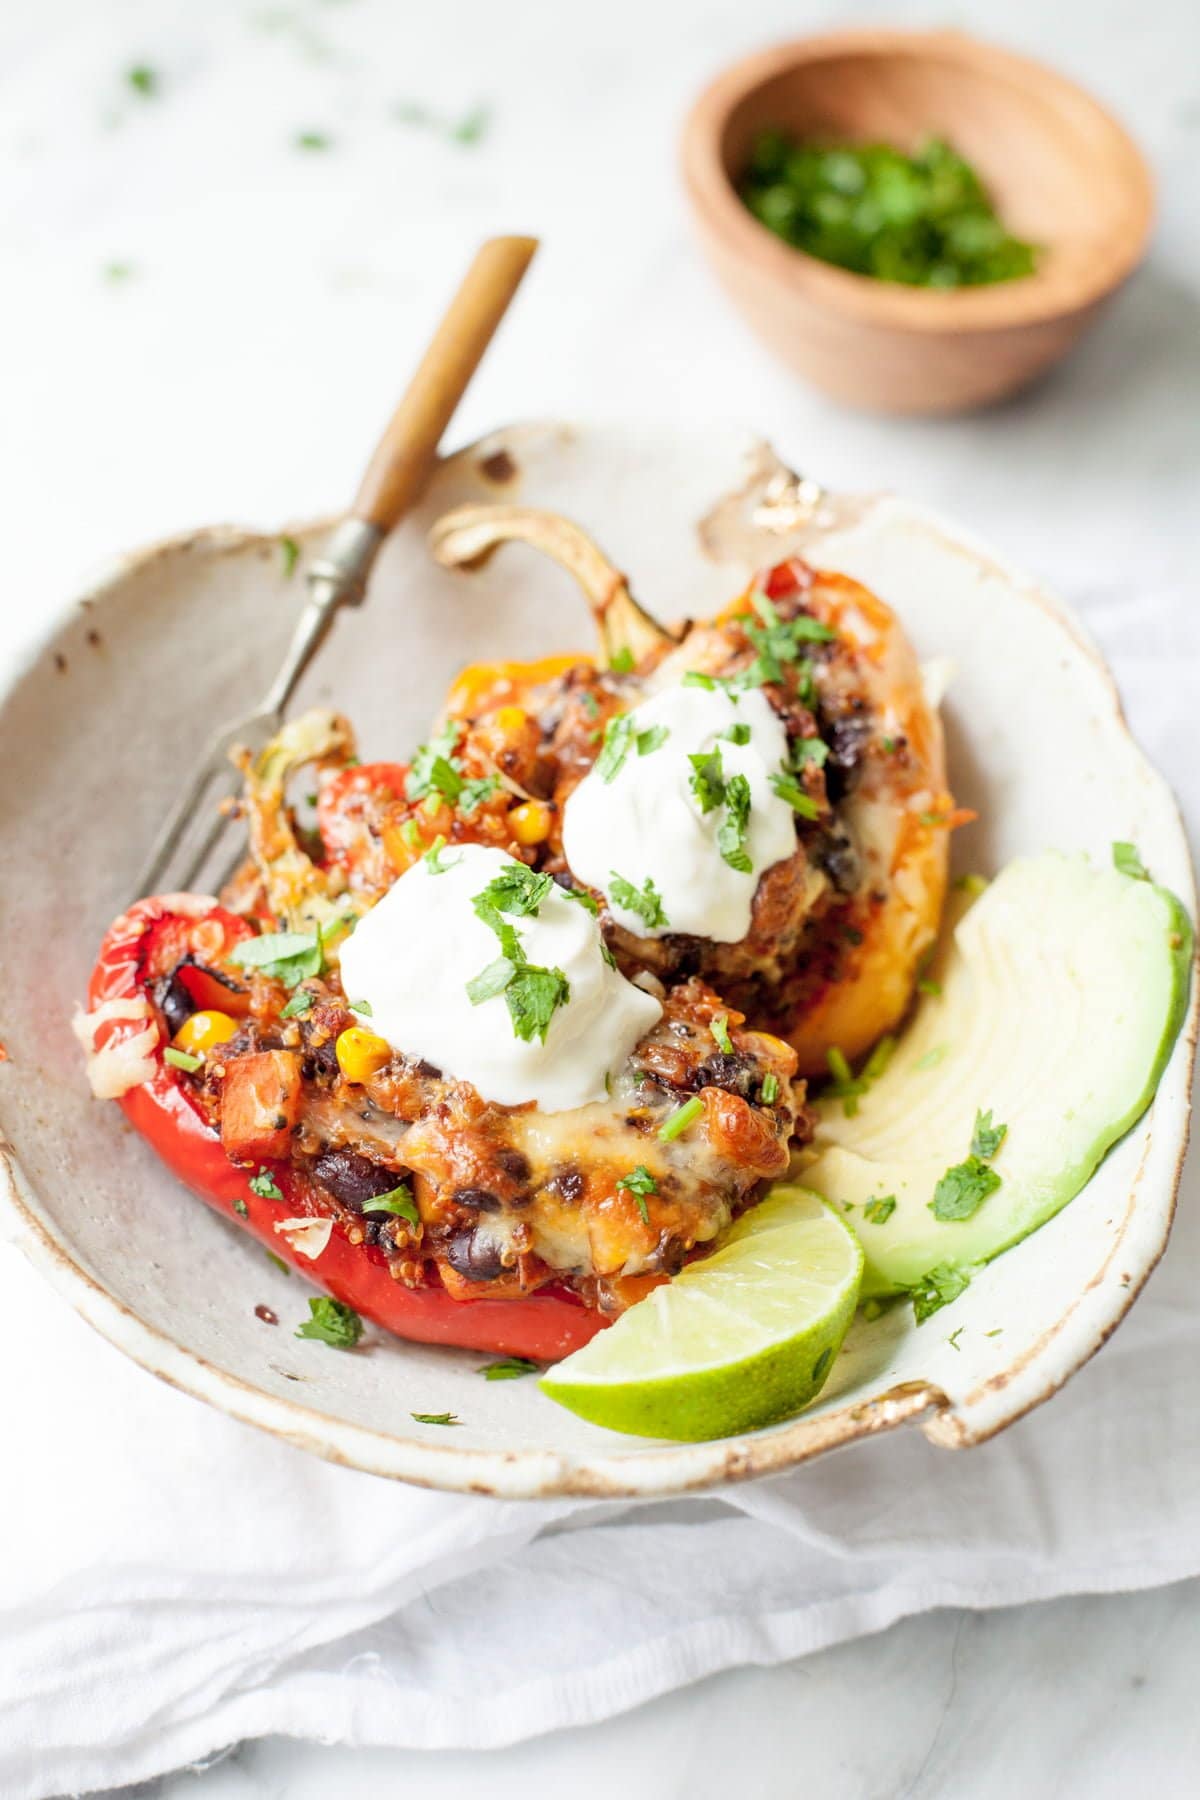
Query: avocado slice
{"x": 1062, "y": 990}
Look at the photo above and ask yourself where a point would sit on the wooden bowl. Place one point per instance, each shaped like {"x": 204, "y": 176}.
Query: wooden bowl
{"x": 1060, "y": 170}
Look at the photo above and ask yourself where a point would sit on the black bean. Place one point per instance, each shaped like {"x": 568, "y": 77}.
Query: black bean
{"x": 513, "y": 1163}
{"x": 427, "y": 1069}
{"x": 835, "y": 853}
{"x": 569, "y": 1183}
{"x": 478, "y": 1199}
{"x": 173, "y": 1001}
{"x": 476, "y": 1258}
{"x": 735, "y": 1073}
{"x": 354, "y": 1180}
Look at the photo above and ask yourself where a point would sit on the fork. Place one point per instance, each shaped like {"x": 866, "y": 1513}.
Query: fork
{"x": 396, "y": 475}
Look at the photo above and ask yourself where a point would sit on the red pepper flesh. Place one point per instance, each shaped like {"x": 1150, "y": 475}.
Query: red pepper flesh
{"x": 138, "y": 948}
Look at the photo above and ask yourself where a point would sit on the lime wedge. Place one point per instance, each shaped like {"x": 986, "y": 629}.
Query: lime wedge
{"x": 739, "y": 1340}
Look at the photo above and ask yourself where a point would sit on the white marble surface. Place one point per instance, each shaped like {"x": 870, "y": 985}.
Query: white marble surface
{"x": 274, "y": 300}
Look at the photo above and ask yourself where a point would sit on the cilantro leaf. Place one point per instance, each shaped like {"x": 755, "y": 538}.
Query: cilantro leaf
{"x": 639, "y": 1182}
{"x": 788, "y": 788}
{"x": 653, "y": 738}
{"x": 291, "y": 556}
{"x": 619, "y": 735}
{"x": 534, "y": 995}
{"x": 398, "y": 1201}
{"x": 987, "y": 1138}
{"x": 809, "y": 750}
{"x": 720, "y": 1031}
{"x": 937, "y": 1288}
{"x": 474, "y": 792}
{"x": 622, "y": 661}
{"x": 878, "y": 1212}
{"x": 586, "y": 900}
{"x": 738, "y": 733}
{"x": 443, "y": 1418}
{"x": 1127, "y": 860}
{"x": 731, "y": 838}
{"x": 287, "y": 956}
{"x": 301, "y": 1002}
{"x": 508, "y": 1368}
{"x": 491, "y": 981}
{"x": 435, "y": 766}
{"x": 645, "y": 901}
{"x": 707, "y": 780}
{"x": 435, "y": 861}
{"x": 265, "y": 1186}
{"x": 963, "y": 1189}
{"x": 331, "y": 1322}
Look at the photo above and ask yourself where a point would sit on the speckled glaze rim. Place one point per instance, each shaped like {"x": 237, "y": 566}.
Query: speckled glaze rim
{"x": 543, "y": 1474}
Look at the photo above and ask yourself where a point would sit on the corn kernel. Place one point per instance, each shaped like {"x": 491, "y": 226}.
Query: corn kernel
{"x": 511, "y": 719}
{"x": 530, "y": 822}
{"x": 204, "y": 1029}
{"x": 361, "y": 1053}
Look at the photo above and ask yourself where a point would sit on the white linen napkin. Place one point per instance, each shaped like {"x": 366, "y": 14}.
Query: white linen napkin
{"x": 172, "y": 1581}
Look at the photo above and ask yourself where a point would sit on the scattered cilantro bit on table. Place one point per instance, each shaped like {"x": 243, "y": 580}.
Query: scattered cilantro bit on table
{"x": 879, "y": 1211}
{"x": 508, "y": 1368}
{"x": 331, "y": 1322}
{"x": 442, "y": 1418}
{"x": 290, "y": 551}
{"x": 987, "y": 1137}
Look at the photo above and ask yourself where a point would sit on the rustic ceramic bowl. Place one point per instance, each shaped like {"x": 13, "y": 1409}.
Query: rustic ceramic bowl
{"x": 1060, "y": 169}
{"x": 94, "y": 736}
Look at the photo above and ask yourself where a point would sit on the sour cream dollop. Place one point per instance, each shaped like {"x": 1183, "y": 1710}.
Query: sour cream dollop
{"x": 411, "y": 958}
{"x": 647, "y": 821}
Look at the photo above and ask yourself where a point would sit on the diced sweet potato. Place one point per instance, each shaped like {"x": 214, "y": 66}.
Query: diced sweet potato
{"x": 260, "y": 1102}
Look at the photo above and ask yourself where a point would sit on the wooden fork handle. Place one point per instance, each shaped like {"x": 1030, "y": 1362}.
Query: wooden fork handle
{"x": 405, "y": 454}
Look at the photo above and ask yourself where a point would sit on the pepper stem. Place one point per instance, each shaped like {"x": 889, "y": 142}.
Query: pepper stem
{"x": 466, "y": 538}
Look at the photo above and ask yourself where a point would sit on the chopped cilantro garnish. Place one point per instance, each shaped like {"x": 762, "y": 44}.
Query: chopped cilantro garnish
{"x": 731, "y": 838}
{"x": 278, "y": 1261}
{"x": 518, "y": 891}
{"x": 180, "y": 1059}
{"x": 808, "y": 750}
{"x": 788, "y": 788}
{"x": 362, "y": 1006}
{"x": 435, "y": 766}
{"x": 410, "y": 833}
{"x": 619, "y": 735}
{"x": 312, "y": 140}
{"x": 475, "y": 792}
{"x": 534, "y": 995}
{"x": 301, "y": 1002}
{"x": 143, "y": 80}
{"x": 926, "y": 986}
{"x": 697, "y": 678}
{"x": 879, "y": 1059}
{"x": 839, "y": 1067}
{"x": 963, "y": 1189}
{"x": 987, "y": 1138}
{"x": 645, "y": 901}
{"x": 265, "y": 1186}
{"x": 287, "y": 956}
{"x": 589, "y": 703}
{"x": 931, "y": 1058}
{"x": 970, "y": 884}
{"x": 879, "y": 1211}
{"x": 653, "y": 738}
{"x": 331, "y": 1322}
{"x": 937, "y": 1288}
{"x": 639, "y": 1182}
{"x": 435, "y": 862}
{"x": 777, "y": 642}
{"x": 720, "y": 1030}
{"x": 952, "y": 1340}
{"x": 240, "y": 1208}
{"x": 444, "y": 1418}
{"x": 680, "y": 1119}
{"x": 291, "y": 556}
{"x": 491, "y": 981}
{"x": 707, "y": 780}
{"x": 738, "y": 733}
{"x": 770, "y": 1088}
{"x": 1128, "y": 862}
{"x": 622, "y": 661}
{"x": 586, "y": 900}
{"x": 508, "y": 1368}
{"x": 398, "y": 1201}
